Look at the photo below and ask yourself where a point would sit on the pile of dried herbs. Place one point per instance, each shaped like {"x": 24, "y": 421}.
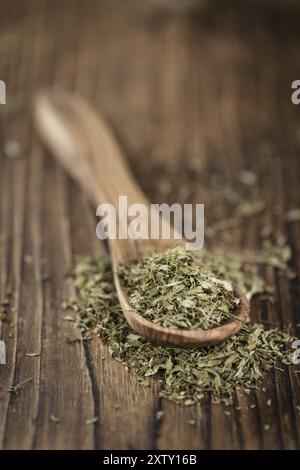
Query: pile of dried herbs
{"x": 240, "y": 362}
{"x": 174, "y": 289}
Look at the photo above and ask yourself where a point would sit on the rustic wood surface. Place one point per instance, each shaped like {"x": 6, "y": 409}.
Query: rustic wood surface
{"x": 189, "y": 92}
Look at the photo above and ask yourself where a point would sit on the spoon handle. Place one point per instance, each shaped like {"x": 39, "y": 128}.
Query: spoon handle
{"x": 86, "y": 147}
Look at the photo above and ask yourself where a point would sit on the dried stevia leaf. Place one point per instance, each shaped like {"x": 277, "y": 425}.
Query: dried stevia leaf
{"x": 174, "y": 289}
{"x": 276, "y": 255}
{"x": 292, "y": 215}
{"x": 185, "y": 375}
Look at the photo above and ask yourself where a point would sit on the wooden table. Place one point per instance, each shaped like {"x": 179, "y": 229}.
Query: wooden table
{"x": 189, "y": 92}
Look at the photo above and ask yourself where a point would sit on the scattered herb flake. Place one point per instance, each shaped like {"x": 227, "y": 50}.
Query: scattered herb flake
{"x": 54, "y": 419}
{"x": 13, "y": 149}
{"x": 292, "y": 215}
{"x": 91, "y": 420}
{"x": 18, "y": 387}
{"x": 185, "y": 375}
{"x": 248, "y": 177}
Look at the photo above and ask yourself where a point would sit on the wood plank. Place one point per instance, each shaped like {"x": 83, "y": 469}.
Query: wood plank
{"x": 190, "y": 94}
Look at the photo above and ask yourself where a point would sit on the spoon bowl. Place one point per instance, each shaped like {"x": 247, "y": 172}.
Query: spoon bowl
{"x": 85, "y": 146}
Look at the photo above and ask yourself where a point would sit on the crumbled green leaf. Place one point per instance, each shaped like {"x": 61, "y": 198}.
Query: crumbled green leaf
{"x": 92, "y": 420}
{"x": 184, "y": 375}
{"x": 13, "y": 149}
{"x": 292, "y": 215}
{"x": 276, "y": 255}
{"x": 159, "y": 415}
{"x": 175, "y": 289}
{"x": 55, "y": 419}
{"x": 18, "y": 387}
{"x": 250, "y": 208}
{"x": 248, "y": 177}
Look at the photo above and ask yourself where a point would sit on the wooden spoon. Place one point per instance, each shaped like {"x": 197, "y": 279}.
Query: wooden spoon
{"x": 87, "y": 149}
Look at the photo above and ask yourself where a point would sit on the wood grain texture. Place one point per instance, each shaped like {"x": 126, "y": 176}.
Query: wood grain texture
{"x": 189, "y": 93}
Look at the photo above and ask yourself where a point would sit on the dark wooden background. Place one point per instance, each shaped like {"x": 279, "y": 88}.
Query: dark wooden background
{"x": 190, "y": 92}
